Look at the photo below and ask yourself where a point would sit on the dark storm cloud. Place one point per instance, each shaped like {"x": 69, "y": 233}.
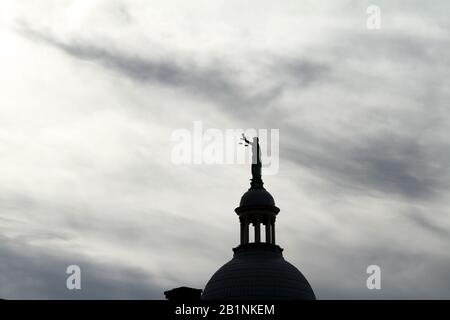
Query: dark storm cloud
{"x": 150, "y": 232}
{"x": 405, "y": 274}
{"x": 399, "y": 48}
{"x": 164, "y": 226}
{"x": 298, "y": 73}
{"x": 423, "y": 220}
{"x": 161, "y": 233}
{"x": 388, "y": 163}
{"x": 27, "y": 272}
{"x": 219, "y": 83}
{"x": 403, "y": 159}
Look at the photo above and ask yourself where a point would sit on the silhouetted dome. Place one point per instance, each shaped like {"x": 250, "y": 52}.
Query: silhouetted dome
{"x": 257, "y": 197}
{"x": 258, "y": 271}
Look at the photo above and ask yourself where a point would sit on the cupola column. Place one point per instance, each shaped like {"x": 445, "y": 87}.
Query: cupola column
{"x": 273, "y": 232}
{"x": 267, "y": 224}
{"x": 242, "y": 232}
{"x": 246, "y": 232}
{"x": 257, "y": 231}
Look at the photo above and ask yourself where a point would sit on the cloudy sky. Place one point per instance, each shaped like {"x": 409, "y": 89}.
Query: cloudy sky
{"x": 91, "y": 92}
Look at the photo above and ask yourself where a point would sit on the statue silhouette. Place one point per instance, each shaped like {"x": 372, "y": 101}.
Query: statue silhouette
{"x": 256, "y": 181}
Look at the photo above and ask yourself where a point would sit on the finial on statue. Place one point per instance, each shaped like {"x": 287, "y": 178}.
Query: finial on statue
{"x": 256, "y": 181}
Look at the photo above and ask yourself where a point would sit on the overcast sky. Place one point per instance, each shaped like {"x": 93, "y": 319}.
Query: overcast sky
{"x": 91, "y": 92}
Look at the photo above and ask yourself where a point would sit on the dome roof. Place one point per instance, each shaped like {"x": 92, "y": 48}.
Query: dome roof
{"x": 257, "y": 197}
{"x": 258, "y": 271}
